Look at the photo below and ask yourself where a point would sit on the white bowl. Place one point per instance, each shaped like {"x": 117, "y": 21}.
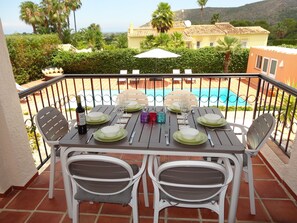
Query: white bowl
{"x": 189, "y": 133}
{"x": 175, "y": 105}
{"x": 94, "y": 116}
{"x": 212, "y": 118}
{"x": 110, "y": 131}
{"x": 131, "y": 104}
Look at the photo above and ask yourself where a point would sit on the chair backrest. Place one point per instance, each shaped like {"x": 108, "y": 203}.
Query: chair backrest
{"x": 123, "y": 72}
{"x": 188, "y": 71}
{"x": 176, "y": 71}
{"x": 135, "y": 71}
{"x": 175, "y": 96}
{"x": 135, "y": 95}
{"x": 192, "y": 181}
{"x": 51, "y": 123}
{"x": 100, "y": 175}
{"x": 259, "y": 132}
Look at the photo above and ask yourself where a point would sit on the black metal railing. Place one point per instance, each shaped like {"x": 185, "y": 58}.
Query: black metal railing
{"x": 240, "y": 97}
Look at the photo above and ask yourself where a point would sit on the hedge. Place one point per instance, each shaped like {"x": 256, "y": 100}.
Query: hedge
{"x": 204, "y": 60}
{"x": 29, "y": 54}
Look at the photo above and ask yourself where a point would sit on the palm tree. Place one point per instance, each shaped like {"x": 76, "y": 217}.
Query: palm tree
{"x": 202, "y": 4}
{"x": 162, "y": 18}
{"x": 30, "y": 14}
{"x": 177, "y": 40}
{"x": 228, "y": 46}
{"x": 215, "y": 18}
{"x": 73, "y": 5}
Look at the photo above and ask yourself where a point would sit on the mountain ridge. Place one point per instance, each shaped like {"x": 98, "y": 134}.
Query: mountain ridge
{"x": 278, "y": 10}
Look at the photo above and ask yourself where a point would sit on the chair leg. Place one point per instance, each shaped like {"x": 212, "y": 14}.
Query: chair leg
{"x": 75, "y": 209}
{"x": 251, "y": 186}
{"x": 145, "y": 190}
{"x": 134, "y": 206}
{"x": 52, "y": 173}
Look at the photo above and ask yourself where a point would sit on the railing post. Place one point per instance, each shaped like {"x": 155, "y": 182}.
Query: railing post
{"x": 256, "y": 99}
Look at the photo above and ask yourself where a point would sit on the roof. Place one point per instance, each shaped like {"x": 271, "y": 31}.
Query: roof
{"x": 194, "y": 30}
{"x": 278, "y": 49}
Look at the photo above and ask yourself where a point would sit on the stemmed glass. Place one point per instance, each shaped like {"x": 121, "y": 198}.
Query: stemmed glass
{"x": 185, "y": 108}
{"x": 120, "y": 107}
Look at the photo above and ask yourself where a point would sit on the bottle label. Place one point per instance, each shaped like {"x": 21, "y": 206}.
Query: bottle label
{"x": 81, "y": 118}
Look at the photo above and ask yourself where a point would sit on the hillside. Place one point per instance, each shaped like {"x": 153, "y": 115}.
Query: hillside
{"x": 271, "y": 11}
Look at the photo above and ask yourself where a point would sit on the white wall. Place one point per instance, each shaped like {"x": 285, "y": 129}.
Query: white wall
{"x": 16, "y": 162}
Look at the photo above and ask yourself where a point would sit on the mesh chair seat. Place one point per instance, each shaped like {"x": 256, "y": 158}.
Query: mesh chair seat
{"x": 121, "y": 198}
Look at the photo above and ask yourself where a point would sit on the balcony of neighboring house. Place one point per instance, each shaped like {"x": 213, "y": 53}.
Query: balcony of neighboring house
{"x": 240, "y": 97}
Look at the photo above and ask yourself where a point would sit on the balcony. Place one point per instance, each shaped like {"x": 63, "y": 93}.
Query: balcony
{"x": 240, "y": 97}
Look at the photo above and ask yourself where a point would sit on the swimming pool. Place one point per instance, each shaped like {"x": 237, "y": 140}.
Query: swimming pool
{"x": 205, "y": 97}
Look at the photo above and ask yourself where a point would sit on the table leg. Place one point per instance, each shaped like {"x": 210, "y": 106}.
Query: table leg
{"x": 235, "y": 187}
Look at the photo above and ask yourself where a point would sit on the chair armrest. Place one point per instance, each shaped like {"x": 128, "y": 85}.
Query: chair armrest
{"x": 243, "y": 130}
{"x": 142, "y": 168}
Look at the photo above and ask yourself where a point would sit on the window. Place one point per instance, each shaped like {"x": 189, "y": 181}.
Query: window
{"x": 211, "y": 44}
{"x": 265, "y": 65}
{"x": 244, "y": 43}
{"x": 259, "y": 62}
{"x": 273, "y": 66}
{"x": 198, "y": 44}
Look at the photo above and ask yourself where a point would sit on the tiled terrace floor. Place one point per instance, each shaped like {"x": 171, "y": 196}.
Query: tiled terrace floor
{"x": 273, "y": 203}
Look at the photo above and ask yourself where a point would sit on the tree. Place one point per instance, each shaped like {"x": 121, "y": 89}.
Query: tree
{"x": 90, "y": 37}
{"x": 30, "y": 14}
{"x": 281, "y": 30}
{"x": 73, "y": 5}
{"x": 162, "y": 18}
{"x": 177, "y": 40}
{"x": 215, "y": 18}
{"x": 202, "y": 4}
{"x": 229, "y": 46}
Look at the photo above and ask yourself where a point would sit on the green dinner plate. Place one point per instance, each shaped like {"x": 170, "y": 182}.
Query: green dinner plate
{"x": 135, "y": 108}
{"x": 174, "y": 110}
{"x": 201, "y": 120}
{"x": 105, "y": 118}
{"x": 199, "y": 139}
{"x": 98, "y": 135}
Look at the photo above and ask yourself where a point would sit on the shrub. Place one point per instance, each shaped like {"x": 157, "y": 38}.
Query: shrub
{"x": 204, "y": 60}
{"x": 29, "y": 54}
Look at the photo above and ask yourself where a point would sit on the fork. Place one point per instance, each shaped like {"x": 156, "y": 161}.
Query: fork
{"x": 166, "y": 134}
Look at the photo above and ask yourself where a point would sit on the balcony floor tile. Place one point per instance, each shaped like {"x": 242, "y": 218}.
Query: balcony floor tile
{"x": 273, "y": 203}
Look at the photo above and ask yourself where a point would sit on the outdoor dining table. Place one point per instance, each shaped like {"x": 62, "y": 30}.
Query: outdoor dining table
{"x": 149, "y": 139}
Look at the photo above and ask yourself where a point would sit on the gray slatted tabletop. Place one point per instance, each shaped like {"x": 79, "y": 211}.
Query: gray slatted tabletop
{"x": 151, "y": 137}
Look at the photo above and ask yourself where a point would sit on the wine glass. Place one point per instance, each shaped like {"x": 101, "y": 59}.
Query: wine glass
{"x": 120, "y": 107}
{"x": 185, "y": 108}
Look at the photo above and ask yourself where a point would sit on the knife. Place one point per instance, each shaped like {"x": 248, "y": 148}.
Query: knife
{"x": 210, "y": 140}
{"x": 132, "y": 137}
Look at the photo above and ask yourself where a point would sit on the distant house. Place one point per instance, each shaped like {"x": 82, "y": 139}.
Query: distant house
{"x": 196, "y": 36}
{"x": 279, "y": 63}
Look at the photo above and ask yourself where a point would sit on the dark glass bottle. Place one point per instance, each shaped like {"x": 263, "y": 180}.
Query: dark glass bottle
{"x": 80, "y": 117}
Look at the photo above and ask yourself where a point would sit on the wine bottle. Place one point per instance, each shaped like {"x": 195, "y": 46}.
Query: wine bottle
{"x": 80, "y": 117}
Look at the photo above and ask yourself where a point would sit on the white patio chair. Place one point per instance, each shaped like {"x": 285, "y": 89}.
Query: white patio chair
{"x": 190, "y": 184}
{"x": 176, "y": 79}
{"x": 135, "y": 95}
{"x": 122, "y": 80}
{"x": 254, "y": 138}
{"x": 104, "y": 179}
{"x": 52, "y": 125}
{"x": 134, "y": 80}
{"x": 175, "y": 96}
{"x": 189, "y": 80}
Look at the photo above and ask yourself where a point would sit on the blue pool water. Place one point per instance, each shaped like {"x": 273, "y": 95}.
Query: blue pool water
{"x": 205, "y": 96}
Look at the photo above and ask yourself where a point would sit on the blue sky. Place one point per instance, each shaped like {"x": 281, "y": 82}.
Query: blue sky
{"x": 111, "y": 15}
